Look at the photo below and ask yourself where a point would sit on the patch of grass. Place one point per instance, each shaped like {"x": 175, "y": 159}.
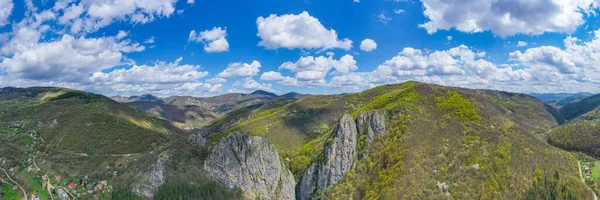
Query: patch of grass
{"x": 596, "y": 171}
{"x": 8, "y": 192}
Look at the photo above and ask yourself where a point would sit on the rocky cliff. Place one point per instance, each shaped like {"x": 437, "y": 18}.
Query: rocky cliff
{"x": 251, "y": 164}
{"x": 340, "y": 155}
{"x": 150, "y": 182}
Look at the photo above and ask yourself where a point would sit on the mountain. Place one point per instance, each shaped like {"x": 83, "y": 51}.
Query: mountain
{"x": 293, "y": 95}
{"x": 559, "y": 100}
{"x": 402, "y": 141}
{"x": 581, "y": 134}
{"x": 142, "y": 98}
{"x": 265, "y": 93}
{"x": 80, "y": 136}
{"x": 576, "y": 109}
{"x": 434, "y": 137}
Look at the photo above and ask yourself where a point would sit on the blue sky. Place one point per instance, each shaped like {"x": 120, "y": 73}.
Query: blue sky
{"x": 204, "y": 47}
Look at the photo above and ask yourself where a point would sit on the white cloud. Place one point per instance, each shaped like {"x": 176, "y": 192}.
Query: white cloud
{"x": 383, "y": 19}
{"x": 300, "y": 31}
{"x": 89, "y": 16}
{"x": 6, "y": 7}
{"x": 67, "y": 59}
{"x": 239, "y": 69}
{"x": 506, "y": 17}
{"x": 122, "y": 34}
{"x": 190, "y": 1}
{"x": 316, "y": 68}
{"x": 160, "y": 72}
{"x": 214, "y": 40}
{"x": 521, "y": 44}
{"x": 399, "y": 11}
{"x": 356, "y": 1}
{"x": 250, "y": 84}
{"x": 459, "y": 66}
{"x": 150, "y": 40}
{"x": 368, "y": 45}
{"x": 271, "y": 76}
{"x": 449, "y": 38}
{"x": 216, "y": 80}
{"x": 575, "y": 65}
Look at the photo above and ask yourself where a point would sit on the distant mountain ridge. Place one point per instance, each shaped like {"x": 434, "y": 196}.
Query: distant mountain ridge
{"x": 576, "y": 109}
{"x": 559, "y": 100}
{"x": 189, "y": 112}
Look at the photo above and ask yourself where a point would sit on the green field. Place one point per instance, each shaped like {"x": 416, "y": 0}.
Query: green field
{"x": 596, "y": 171}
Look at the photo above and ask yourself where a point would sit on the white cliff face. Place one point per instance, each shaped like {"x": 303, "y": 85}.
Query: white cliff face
{"x": 251, "y": 164}
{"x": 341, "y": 155}
{"x": 148, "y": 185}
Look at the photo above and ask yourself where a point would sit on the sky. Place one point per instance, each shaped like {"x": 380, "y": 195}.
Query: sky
{"x": 211, "y": 47}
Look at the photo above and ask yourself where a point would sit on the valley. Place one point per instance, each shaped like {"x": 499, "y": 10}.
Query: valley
{"x": 402, "y": 141}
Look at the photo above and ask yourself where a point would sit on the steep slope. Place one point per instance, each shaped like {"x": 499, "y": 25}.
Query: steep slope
{"x": 252, "y": 164}
{"x": 576, "y": 109}
{"x": 581, "y": 134}
{"x": 439, "y": 142}
{"x": 76, "y": 135}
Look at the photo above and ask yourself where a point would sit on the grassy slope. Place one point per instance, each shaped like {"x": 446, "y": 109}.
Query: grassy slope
{"x": 576, "y": 109}
{"x": 434, "y": 136}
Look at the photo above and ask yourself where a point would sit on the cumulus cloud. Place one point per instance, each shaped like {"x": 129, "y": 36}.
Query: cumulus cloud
{"x": 368, "y": 45}
{"x": 239, "y": 69}
{"x": 577, "y": 63}
{"x": 6, "y": 7}
{"x": 150, "y": 40}
{"x": 66, "y": 59}
{"x": 521, "y": 44}
{"x": 247, "y": 84}
{"x": 89, "y": 16}
{"x": 271, "y": 76}
{"x": 300, "y": 31}
{"x": 399, "y": 11}
{"x": 214, "y": 39}
{"x": 316, "y": 68}
{"x": 506, "y": 17}
{"x": 459, "y": 66}
{"x": 160, "y": 72}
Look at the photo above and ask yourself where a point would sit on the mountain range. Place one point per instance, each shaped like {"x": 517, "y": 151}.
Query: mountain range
{"x": 403, "y": 141}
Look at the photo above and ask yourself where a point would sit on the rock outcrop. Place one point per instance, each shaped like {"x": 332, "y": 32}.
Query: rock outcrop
{"x": 251, "y": 164}
{"x": 340, "y": 156}
{"x": 371, "y": 124}
{"x": 155, "y": 179}
{"x": 197, "y": 139}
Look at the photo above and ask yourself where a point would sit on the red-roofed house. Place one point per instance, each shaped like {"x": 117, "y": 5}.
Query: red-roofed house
{"x": 72, "y": 185}
{"x": 57, "y": 177}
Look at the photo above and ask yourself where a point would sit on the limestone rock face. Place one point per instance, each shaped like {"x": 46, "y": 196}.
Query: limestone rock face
{"x": 251, "y": 164}
{"x": 197, "y": 139}
{"x": 370, "y": 123}
{"x": 155, "y": 179}
{"x": 341, "y": 155}
{"x": 339, "y": 159}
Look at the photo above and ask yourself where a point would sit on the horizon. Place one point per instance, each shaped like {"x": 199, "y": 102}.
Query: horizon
{"x": 219, "y": 47}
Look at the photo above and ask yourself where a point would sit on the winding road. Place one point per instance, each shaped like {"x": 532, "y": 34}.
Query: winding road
{"x": 24, "y": 193}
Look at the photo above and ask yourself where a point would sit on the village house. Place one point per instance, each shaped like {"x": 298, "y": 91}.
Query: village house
{"x": 35, "y": 197}
{"x": 57, "y": 177}
{"x": 72, "y": 186}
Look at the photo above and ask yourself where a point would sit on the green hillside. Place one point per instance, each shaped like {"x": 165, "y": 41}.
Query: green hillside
{"x": 76, "y": 135}
{"x": 576, "y": 109}
{"x": 581, "y": 134}
{"x": 436, "y": 135}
